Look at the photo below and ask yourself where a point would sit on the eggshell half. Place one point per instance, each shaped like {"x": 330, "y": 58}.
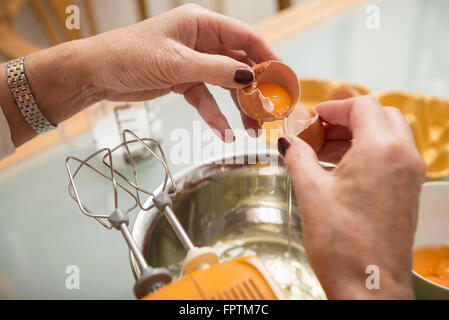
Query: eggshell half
{"x": 307, "y": 125}
{"x": 254, "y": 104}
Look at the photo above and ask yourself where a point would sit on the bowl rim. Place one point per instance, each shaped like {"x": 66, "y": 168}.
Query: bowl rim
{"x": 435, "y": 184}
{"x": 430, "y": 282}
{"x": 268, "y": 153}
{"x": 176, "y": 177}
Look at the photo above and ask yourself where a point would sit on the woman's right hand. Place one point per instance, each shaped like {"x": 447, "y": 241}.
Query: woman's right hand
{"x": 178, "y": 51}
{"x": 363, "y": 212}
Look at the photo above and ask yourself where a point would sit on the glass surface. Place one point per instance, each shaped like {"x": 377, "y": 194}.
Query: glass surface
{"x": 41, "y": 229}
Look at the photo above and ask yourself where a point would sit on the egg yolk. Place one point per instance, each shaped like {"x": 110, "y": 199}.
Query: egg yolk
{"x": 443, "y": 269}
{"x": 433, "y": 264}
{"x": 280, "y": 98}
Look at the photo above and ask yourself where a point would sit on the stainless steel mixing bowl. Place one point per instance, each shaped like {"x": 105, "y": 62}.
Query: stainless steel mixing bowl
{"x": 238, "y": 209}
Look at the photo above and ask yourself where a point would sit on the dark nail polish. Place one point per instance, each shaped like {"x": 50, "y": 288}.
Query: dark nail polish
{"x": 243, "y": 76}
{"x": 283, "y": 145}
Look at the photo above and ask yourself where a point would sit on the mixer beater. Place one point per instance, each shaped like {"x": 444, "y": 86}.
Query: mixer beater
{"x": 204, "y": 277}
{"x": 150, "y": 279}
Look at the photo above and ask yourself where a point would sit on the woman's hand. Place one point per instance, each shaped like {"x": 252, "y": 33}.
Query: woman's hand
{"x": 178, "y": 51}
{"x": 363, "y": 212}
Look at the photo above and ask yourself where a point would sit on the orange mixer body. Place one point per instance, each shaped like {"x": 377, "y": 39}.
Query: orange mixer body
{"x": 242, "y": 278}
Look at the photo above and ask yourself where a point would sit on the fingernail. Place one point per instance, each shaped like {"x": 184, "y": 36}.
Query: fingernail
{"x": 243, "y": 76}
{"x": 283, "y": 145}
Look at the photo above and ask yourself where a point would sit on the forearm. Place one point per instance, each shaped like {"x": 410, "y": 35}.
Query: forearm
{"x": 60, "y": 80}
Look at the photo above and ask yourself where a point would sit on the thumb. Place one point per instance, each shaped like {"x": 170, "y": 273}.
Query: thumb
{"x": 302, "y": 164}
{"x": 216, "y": 69}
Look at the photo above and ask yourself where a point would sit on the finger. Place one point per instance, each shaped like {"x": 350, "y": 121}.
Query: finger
{"x": 333, "y": 151}
{"x": 233, "y": 34}
{"x": 398, "y": 124}
{"x": 337, "y": 132}
{"x": 215, "y": 69}
{"x": 362, "y": 115}
{"x": 200, "y": 97}
{"x": 302, "y": 164}
{"x": 251, "y": 125}
{"x": 139, "y": 95}
{"x": 238, "y": 55}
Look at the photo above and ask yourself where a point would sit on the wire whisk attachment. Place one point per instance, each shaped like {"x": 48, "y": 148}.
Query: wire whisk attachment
{"x": 73, "y": 191}
{"x": 131, "y": 187}
{"x": 150, "y": 279}
{"x": 146, "y": 143}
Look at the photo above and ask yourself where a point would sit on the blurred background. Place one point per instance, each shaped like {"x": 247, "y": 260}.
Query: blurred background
{"x": 383, "y": 45}
{"x": 41, "y": 21}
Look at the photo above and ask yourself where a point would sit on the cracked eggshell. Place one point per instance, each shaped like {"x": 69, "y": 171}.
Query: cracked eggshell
{"x": 307, "y": 125}
{"x": 254, "y": 104}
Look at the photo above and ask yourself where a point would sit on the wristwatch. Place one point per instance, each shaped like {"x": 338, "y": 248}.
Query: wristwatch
{"x": 17, "y": 81}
